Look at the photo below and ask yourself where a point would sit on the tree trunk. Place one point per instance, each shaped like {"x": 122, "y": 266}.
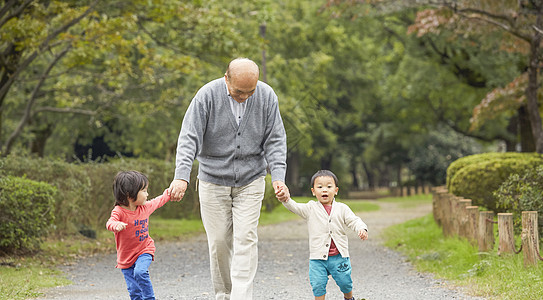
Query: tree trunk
{"x": 533, "y": 86}
{"x": 37, "y": 145}
{"x": 326, "y": 162}
{"x": 369, "y": 176}
{"x": 356, "y": 184}
{"x": 293, "y": 173}
{"x": 527, "y": 143}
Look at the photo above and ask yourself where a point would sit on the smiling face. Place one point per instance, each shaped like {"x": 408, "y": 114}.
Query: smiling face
{"x": 325, "y": 189}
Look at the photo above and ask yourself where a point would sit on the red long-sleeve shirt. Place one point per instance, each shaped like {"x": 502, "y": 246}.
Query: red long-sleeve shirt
{"x": 134, "y": 240}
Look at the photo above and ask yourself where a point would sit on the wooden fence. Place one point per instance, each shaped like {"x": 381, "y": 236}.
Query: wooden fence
{"x": 457, "y": 217}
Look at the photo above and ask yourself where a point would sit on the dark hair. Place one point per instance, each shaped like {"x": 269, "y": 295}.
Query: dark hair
{"x": 127, "y": 184}
{"x": 323, "y": 173}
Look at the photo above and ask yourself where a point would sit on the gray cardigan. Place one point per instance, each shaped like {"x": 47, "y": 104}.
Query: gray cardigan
{"x": 228, "y": 154}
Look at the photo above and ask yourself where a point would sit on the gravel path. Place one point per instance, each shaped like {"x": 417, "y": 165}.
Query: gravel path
{"x": 181, "y": 269}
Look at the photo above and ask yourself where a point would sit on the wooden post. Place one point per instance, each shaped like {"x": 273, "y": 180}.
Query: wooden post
{"x": 505, "y": 232}
{"x": 486, "y": 231}
{"x": 462, "y": 218}
{"x": 438, "y": 200}
{"x": 446, "y": 214}
{"x": 454, "y": 216}
{"x": 472, "y": 223}
{"x": 530, "y": 238}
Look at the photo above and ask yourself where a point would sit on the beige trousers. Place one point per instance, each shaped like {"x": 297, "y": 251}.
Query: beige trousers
{"x": 230, "y": 217}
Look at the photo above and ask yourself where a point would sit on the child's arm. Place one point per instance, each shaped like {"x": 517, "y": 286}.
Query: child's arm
{"x": 301, "y": 209}
{"x": 114, "y": 224}
{"x": 355, "y": 223}
{"x": 159, "y": 201}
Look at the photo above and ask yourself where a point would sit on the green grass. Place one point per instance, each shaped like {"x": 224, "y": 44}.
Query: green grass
{"x": 410, "y": 201}
{"x": 25, "y": 279}
{"x": 485, "y": 274}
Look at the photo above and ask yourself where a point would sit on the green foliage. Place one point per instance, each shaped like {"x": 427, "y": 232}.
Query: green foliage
{"x": 522, "y": 192}
{"x": 481, "y": 175}
{"x": 85, "y": 198}
{"x": 25, "y": 213}
{"x": 458, "y": 164}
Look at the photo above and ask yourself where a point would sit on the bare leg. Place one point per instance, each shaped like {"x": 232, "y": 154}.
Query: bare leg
{"x": 320, "y": 297}
{"x": 348, "y": 295}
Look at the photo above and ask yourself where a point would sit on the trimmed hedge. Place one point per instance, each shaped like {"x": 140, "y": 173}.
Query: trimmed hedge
{"x": 26, "y": 213}
{"x": 458, "y": 164}
{"x": 85, "y": 197}
{"x": 477, "y": 177}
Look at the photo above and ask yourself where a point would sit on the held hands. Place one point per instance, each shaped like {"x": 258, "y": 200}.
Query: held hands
{"x": 363, "y": 234}
{"x": 281, "y": 191}
{"x": 177, "y": 189}
{"x": 120, "y": 226}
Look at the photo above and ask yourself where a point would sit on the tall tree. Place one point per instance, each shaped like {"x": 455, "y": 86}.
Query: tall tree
{"x": 519, "y": 22}
{"x": 108, "y": 69}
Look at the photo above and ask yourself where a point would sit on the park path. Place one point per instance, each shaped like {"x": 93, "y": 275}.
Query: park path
{"x": 181, "y": 269}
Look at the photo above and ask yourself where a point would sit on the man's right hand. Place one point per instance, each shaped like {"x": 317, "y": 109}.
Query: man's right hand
{"x": 177, "y": 189}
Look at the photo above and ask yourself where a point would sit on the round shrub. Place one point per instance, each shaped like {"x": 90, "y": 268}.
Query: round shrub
{"x": 26, "y": 213}
{"x": 458, "y": 164}
{"x": 478, "y": 181}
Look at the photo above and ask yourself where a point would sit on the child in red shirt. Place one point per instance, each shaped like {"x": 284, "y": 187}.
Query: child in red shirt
{"x": 130, "y": 222}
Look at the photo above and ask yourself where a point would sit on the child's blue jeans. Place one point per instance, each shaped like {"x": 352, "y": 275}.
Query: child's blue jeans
{"x": 138, "y": 280}
{"x": 337, "y": 266}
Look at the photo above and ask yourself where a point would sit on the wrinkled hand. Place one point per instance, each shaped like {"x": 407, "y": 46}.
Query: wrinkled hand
{"x": 120, "y": 226}
{"x": 363, "y": 234}
{"x": 177, "y": 189}
{"x": 281, "y": 191}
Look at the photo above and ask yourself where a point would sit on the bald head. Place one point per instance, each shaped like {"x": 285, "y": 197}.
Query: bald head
{"x": 242, "y": 68}
{"x": 241, "y": 78}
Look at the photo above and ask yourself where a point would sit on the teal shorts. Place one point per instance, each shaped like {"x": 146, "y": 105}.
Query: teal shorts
{"x": 337, "y": 266}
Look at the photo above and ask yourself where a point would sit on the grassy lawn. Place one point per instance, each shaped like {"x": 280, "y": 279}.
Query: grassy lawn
{"x": 486, "y": 274}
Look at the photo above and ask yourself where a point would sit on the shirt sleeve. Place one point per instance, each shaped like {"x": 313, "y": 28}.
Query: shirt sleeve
{"x": 157, "y": 202}
{"x": 353, "y": 221}
{"x": 301, "y": 209}
{"x": 113, "y": 220}
{"x": 190, "y": 138}
{"x": 275, "y": 143}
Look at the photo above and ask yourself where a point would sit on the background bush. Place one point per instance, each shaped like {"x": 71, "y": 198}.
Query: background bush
{"x": 522, "y": 192}
{"x": 85, "y": 196}
{"x": 458, "y": 164}
{"x": 26, "y": 213}
{"x": 481, "y": 175}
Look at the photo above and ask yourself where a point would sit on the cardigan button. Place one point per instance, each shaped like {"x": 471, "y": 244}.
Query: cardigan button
{"x": 324, "y": 256}
{"x": 326, "y": 245}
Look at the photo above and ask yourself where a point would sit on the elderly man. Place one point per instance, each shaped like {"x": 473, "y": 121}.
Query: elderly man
{"x": 234, "y": 129}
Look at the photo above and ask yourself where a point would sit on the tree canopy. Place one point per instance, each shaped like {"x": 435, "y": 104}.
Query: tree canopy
{"x": 381, "y": 92}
